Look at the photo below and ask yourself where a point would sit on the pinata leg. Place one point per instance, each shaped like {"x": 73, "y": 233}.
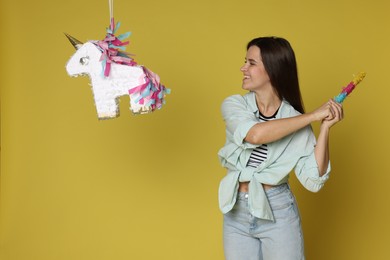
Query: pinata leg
{"x": 107, "y": 108}
{"x": 136, "y": 107}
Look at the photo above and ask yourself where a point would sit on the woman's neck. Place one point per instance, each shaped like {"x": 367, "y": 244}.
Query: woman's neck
{"x": 267, "y": 102}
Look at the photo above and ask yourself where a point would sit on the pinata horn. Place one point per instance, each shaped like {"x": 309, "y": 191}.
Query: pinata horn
{"x": 76, "y": 43}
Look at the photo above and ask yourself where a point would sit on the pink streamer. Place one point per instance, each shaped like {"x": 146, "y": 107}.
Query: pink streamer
{"x": 348, "y": 89}
{"x": 110, "y": 51}
{"x": 157, "y": 89}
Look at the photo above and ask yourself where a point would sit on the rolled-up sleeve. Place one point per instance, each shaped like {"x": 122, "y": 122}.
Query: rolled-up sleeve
{"x": 238, "y": 119}
{"x": 306, "y": 168}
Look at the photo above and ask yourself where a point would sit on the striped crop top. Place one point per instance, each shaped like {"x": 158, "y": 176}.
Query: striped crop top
{"x": 259, "y": 154}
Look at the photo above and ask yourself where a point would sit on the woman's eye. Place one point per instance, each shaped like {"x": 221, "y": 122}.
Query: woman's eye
{"x": 250, "y": 63}
{"x": 84, "y": 60}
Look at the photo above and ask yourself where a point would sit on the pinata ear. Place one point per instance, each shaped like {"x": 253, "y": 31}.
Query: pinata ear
{"x": 76, "y": 43}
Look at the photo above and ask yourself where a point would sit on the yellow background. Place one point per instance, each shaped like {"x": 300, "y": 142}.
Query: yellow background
{"x": 145, "y": 187}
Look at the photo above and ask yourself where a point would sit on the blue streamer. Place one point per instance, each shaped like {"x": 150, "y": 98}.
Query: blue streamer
{"x": 124, "y": 36}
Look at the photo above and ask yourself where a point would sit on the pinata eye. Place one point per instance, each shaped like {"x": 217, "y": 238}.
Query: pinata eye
{"x": 84, "y": 60}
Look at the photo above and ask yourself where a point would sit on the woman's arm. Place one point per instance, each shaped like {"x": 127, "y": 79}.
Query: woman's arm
{"x": 273, "y": 130}
{"x": 322, "y": 148}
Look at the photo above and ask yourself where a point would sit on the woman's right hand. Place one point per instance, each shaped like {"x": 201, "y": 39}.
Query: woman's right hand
{"x": 338, "y": 114}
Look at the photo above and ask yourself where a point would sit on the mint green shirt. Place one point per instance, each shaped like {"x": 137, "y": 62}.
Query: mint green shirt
{"x": 295, "y": 151}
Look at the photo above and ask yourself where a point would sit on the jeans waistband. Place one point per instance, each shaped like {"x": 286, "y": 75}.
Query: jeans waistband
{"x": 272, "y": 191}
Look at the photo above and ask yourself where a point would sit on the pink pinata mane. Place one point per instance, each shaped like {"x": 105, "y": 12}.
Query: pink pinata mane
{"x": 113, "y": 48}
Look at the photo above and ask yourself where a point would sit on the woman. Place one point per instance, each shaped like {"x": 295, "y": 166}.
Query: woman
{"x": 268, "y": 135}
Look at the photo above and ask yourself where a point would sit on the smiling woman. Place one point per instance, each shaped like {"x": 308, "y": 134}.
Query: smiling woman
{"x": 267, "y": 135}
{"x": 145, "y": 187}
{"x": 255, "y": 75}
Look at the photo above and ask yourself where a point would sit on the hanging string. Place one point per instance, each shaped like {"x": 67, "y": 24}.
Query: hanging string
{"x": 111, "y": 8}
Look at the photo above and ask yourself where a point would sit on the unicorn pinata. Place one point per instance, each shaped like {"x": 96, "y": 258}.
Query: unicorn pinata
{"x": 114, "y": 73}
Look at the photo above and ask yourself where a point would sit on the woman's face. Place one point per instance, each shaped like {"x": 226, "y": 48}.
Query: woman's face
{"x": 255, "y": 75}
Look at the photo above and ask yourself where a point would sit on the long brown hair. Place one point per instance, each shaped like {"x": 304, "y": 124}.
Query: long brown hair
{"x": 279, "y": 61}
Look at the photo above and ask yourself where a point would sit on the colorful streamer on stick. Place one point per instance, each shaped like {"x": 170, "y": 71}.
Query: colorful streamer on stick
{"x": 349, "y": 88}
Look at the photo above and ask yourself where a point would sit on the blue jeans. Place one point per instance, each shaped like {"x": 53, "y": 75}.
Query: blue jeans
{"x": 249, "y": 238}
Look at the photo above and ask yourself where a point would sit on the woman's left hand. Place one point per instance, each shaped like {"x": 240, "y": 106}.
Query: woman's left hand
{"x": 337, "y": 112}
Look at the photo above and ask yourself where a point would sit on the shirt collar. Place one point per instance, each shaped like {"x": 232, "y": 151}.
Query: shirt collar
{"x": 252, "y": 102}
